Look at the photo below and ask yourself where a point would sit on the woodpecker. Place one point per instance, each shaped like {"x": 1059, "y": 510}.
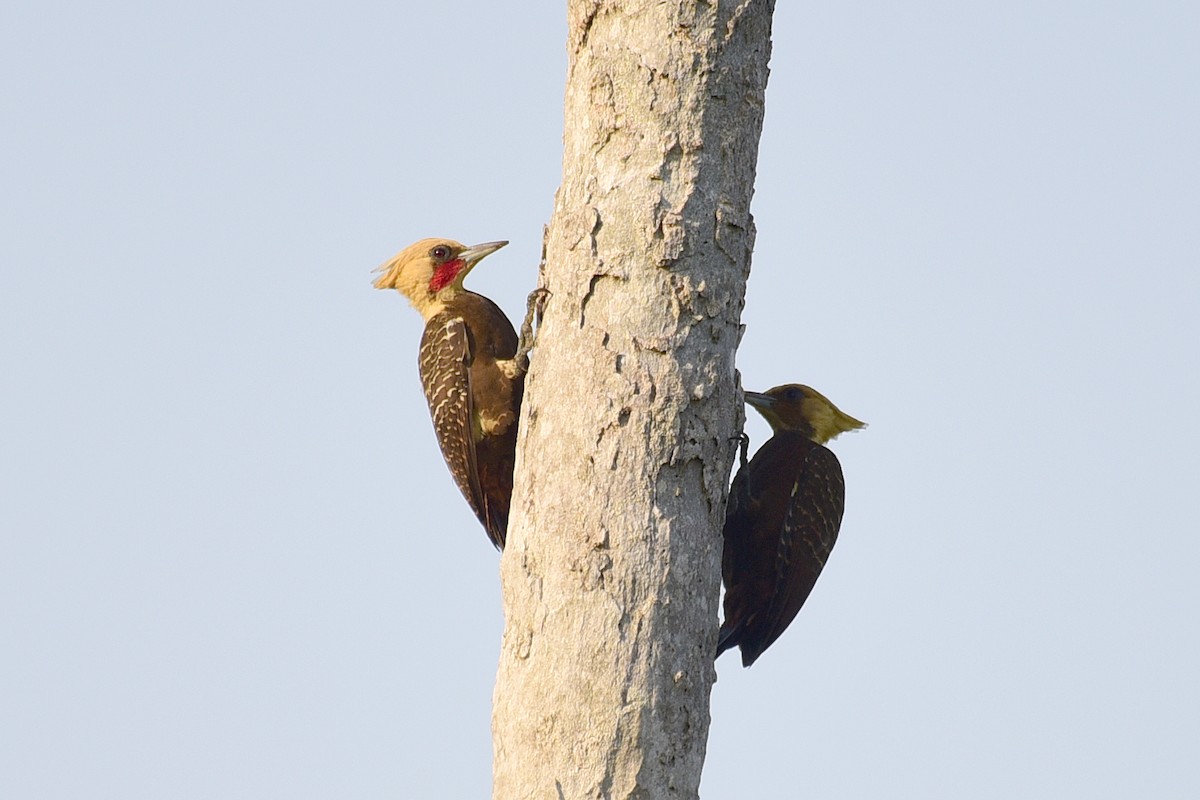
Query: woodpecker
{"x": 785, "y": 508}
{"x": 472, "y": 367}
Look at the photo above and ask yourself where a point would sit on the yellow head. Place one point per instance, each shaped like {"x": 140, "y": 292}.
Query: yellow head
{"x": 431, "y": 271}
{"x": 793, "y": 407}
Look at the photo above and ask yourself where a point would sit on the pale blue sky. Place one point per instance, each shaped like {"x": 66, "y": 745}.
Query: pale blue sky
{"x": 228, "y": 570}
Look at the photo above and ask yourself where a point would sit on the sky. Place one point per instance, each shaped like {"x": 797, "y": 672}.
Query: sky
{"x": 233, "y": 565}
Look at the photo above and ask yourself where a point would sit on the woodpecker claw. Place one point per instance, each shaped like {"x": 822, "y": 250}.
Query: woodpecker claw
{"x": 537, "y": 302}
{"x": 743, "y": 496}
{"x": 534, "y": 307}
{"x": 743, "y": 446}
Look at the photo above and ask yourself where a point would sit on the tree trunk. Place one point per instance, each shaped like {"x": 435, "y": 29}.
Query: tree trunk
{"x": 612, "y": 569}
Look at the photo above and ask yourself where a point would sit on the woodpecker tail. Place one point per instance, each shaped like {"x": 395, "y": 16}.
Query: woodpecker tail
{"x": 727, "y": 638}
{"x": 731, "y": 637}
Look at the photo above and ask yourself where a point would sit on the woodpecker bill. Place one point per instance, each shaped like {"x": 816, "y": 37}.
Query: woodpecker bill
{"x": 784, "y": 511}
{"x": 472, "y": 367}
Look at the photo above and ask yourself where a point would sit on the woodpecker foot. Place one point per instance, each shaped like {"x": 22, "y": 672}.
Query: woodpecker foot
{"x": 739, "y": 492}
{"x": 743, "y": 446}
{"x": 534, "y": 307}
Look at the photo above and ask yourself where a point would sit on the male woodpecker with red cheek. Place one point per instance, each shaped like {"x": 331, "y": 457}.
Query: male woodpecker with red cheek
{"x": 472, "y": 366}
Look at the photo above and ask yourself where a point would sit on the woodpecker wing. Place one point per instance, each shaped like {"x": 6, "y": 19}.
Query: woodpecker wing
{"x": 806, "y": 538}
{"x": 754, "y": 515}
{"x": 445, "y": 363}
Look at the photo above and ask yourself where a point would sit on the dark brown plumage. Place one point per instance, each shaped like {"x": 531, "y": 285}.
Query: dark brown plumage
{"x": 785, "y": 508}
{"x": 472, "y": 367}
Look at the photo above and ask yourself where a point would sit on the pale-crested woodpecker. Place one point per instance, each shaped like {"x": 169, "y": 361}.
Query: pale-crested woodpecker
{"x": 784, "y": 511}
{"x": 472, "y": 366}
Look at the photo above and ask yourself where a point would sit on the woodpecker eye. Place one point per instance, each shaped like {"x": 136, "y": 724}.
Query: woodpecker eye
{"x": 440, "y": 253}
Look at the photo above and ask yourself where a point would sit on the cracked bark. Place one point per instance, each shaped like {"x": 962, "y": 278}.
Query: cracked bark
{"x": 612, "y": 569}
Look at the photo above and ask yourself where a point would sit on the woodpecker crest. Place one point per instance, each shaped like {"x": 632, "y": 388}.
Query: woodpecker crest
{"x": 785, "y": 509}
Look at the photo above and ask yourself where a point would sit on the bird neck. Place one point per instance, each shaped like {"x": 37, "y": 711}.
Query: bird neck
{"x": 430, "y": 304}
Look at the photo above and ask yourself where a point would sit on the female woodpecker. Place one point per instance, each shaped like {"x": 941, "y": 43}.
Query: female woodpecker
{"x": 785, "y": 508}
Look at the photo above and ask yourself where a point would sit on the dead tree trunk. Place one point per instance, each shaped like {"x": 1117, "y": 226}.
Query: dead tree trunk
{"x": 611, "y": 572}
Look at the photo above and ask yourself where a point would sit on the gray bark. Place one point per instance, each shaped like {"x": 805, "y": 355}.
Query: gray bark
{"x": 612, "y": 569}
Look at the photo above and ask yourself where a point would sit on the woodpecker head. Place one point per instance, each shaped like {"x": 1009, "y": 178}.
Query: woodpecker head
{"x": 431, "y": 271}
{"x": 793, "y": 407}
